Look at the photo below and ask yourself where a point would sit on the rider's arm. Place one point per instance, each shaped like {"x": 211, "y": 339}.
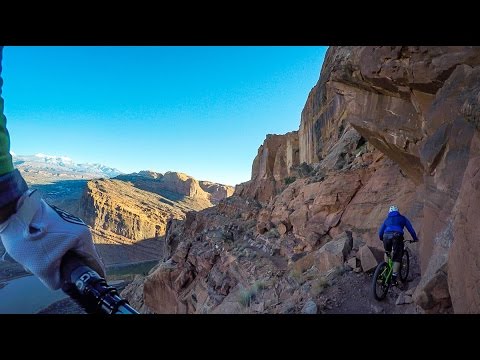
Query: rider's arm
{"x": 381, "y": 231}
{"x": 410, "y": 229}
{"x": 6, "y": 165}
{"x": 12, "y": 185}
{"x": 25, "y": 216}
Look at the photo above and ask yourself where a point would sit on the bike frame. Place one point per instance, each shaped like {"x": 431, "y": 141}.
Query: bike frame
{"x": 382, "y": 278}
{"x": 388, "y": 269}
{"x": 387, "y": 273}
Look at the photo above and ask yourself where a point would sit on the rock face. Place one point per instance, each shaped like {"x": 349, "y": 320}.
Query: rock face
{"x": 134, "y": 293}
{"x": 383, "y": 125}
{"x": 419, "y": 106}
{"x": 276, "y": 157}
{"x": 274, "y": 162}
{"x": 217, "y": 192}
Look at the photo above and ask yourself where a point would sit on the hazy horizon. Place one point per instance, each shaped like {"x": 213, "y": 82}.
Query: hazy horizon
{"x": 203, "y": 111}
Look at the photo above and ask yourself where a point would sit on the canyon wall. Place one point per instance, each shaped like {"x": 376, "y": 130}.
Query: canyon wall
{"x": 383, "y": 125}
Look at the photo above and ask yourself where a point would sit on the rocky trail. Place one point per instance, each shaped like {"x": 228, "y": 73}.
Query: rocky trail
{"x": 351, "y": 293}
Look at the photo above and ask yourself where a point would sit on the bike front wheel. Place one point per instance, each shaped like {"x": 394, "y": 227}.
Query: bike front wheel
{"x": 405, "y": 268}
{"x": 380, "y": 285}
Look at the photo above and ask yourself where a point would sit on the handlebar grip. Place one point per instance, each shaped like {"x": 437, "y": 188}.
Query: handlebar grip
{"x": 89, "y": 289}
{"x": 70, "y": 262}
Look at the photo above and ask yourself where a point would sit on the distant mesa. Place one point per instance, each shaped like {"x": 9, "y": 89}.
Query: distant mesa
{"x": 134, "y": 210}
{"x": 178, "y": 184}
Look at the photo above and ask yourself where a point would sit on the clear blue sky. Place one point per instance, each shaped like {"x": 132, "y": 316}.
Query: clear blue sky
{"x": 203, "y": 111}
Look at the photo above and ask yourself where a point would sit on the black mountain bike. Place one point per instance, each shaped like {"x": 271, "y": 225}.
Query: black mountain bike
{"x": 382, "y": 278}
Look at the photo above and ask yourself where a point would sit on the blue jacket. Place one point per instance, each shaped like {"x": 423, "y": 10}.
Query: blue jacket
{"x": 396, "y": 222}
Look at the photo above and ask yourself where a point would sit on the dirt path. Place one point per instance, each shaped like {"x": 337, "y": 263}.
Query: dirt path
{"x": 352, "y": 294}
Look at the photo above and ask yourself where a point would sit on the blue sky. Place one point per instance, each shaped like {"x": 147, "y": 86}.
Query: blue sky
{"x": 203, "y": 111}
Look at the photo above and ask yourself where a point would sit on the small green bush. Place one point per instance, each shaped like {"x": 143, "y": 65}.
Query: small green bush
{"x": 319, "y": 285}
{"x": 297, "y": 275}
{"x": 289, "y": 180}
{"x": 272, "y": 233}
{"x": 246, "y": 296}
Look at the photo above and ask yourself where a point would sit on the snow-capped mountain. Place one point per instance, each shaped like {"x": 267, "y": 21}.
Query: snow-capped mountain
{"x": 41, "y": 167}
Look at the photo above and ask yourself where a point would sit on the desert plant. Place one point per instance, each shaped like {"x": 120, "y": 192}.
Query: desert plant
{"x": 272, "y": 233}
{"x": 297, "y": 275}
{"x": 289, "y": 180}
{"x": 319, "y": 285}
{"x": 247, "y": 295}
{"x": 340, "y": 270}
{"x": 259, "y": 285}
{"x": 304, "y": 169}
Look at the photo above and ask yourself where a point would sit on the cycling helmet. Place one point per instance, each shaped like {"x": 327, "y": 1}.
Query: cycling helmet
{"x": 393, "y": 208}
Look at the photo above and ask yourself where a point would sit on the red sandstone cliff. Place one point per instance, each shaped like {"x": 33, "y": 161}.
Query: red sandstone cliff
{"x": 382, "y": 125}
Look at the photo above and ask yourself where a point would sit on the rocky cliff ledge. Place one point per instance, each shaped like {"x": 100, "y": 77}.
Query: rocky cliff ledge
{"x": 382, "y": 125}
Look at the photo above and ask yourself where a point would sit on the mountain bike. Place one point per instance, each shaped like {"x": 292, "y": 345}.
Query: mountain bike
{"x": 91, "y": 291}
{"x": 382, "y": 278}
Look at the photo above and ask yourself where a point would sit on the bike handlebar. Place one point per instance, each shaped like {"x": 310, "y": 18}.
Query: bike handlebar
{"x": 89, "y": 289}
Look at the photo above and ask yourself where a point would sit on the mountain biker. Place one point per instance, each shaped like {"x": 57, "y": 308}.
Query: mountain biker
{"x": 391, "y": 233}
{"x": 34, "y": 233}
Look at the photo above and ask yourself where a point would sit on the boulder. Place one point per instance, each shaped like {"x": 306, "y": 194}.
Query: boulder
{"x": 333, "y": 253}
{"x": 309, "y": 308}
{"x": 352, "y": 263}
{"x": 367, "y": 259}
{"x": 282, "y": 228}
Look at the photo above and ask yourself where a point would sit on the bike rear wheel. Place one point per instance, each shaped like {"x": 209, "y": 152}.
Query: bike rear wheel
{"x": 405, "y": 267}
{"x": 380, "y": 285}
